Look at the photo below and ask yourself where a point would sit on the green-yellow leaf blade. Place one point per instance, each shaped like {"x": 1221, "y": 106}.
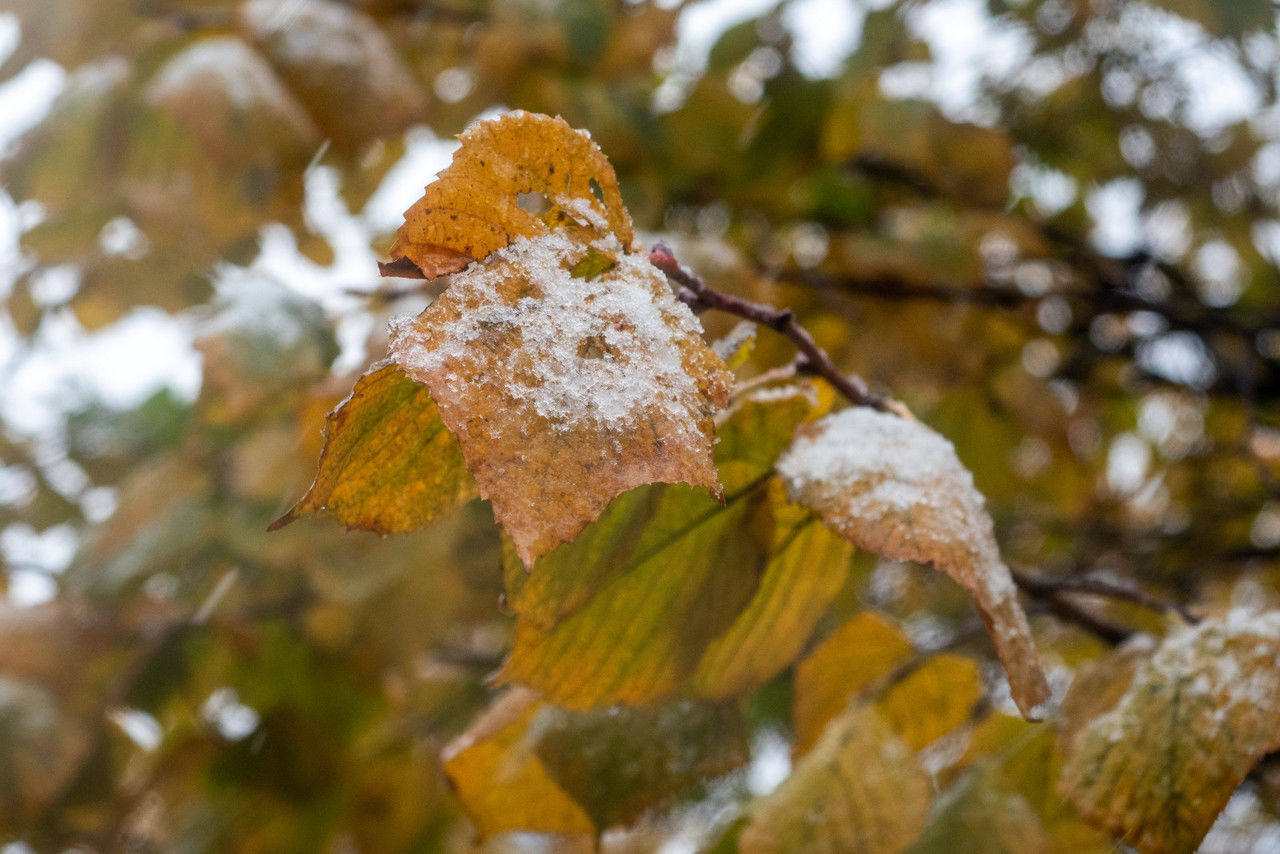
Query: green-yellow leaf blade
{"x": 389, "y": 463}
{"x": 808, "y": 567}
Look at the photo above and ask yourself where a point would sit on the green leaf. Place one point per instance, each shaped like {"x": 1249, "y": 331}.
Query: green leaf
{"x": 389, "y": 464}
{"x": 619, "y": 762}
{"x": 624, "y": 613}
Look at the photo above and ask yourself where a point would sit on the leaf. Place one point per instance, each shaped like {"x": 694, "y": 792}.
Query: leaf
{"x": 473, "y": 208}
{"x": 895, "y": 487}
{"x": 859, "y": 654}
{"x": 359, "y": 92}
{"x": 933, "y": 699}
{"x": 502, "y": 784}
{"x": 389, "y": 464}
{"x": 808, "y": 568}
{"x": 624, "y": 613}
{"x": 641, "y": 635}
{"x": 526, "y": 765}
{"x": 1156, "y": 769}
{"x": 565, "y": 392}
{"x": 859, "y": 789}
{"x": 622, "y": 761}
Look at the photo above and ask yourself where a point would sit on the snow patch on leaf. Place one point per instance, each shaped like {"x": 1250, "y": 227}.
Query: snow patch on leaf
{"x": 566, "y": 391}
{"x": 895, "y": 487}
{"x": 1158, "y": 767}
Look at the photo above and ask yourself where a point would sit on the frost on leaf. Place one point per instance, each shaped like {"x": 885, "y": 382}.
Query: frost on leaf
{"x": 388, "y": 465}
{"x": 895, "y": 487}
{"x": 564, "y": 391}
{"x": 565, "y": 366}
{"x": 1157, "y": 768}
{"x": 474, "y": 206}
{"x": 859, "y": 789}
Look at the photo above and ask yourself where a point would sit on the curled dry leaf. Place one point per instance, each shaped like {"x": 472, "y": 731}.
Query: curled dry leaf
{"x": 895, "y": 487}
{"x": 565, "y": 366}
{"x": 1157, "y": 768}
{"x": 474, "y": 206}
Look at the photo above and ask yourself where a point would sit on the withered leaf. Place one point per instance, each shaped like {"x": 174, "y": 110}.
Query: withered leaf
{"x": 565, "y": 366}
{"x": 1157, "y": 768}
{"x": 895, "y": 487}
{"x": 859, "y": 789}
{"x": 565, "y": 392}
{"x": 473, "y": 208}
{"x": 389, "y": 464}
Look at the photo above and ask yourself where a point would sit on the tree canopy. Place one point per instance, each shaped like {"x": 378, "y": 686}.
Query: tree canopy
{"x": 607, "y": 517}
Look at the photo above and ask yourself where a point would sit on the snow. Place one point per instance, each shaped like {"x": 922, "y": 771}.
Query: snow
{"x": 596, "y": 353}
{"x": 865, "y": 466}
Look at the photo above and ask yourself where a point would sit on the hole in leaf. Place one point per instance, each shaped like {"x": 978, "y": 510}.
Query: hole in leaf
{"x": 533, "y": 203}
{"x": 596, "y": 191}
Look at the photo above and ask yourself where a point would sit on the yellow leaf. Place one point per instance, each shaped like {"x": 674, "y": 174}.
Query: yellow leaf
{"x": 389, "y": 464}
{"x": 859, "y": 789}
{"x": 933, "y": 699}
{"x": 808, "y": 567}
{"x": 473, "y": 208}
{"x": 502, "y": 784}
{"x": 1156, "y": 769}
{"x": 639, "y": 637}
{"x": 858, "y": 655}
{"x": 895, "y": 487}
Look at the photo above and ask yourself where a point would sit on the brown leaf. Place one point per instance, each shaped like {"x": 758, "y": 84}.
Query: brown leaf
{"x": 473, "y": 208}
{"x": 389, "y": 464}
{"x": 565, "y": 392}
{"x": 895, "y": 487}
{"x": 859, "y": 789}
{"x": 1158, "y": 767}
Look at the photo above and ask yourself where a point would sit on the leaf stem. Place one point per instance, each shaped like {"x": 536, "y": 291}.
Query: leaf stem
{"x": 695, "y": 293}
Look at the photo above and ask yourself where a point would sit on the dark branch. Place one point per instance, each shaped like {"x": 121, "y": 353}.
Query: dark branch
{"x": 1040, "y": 586}
{"x": 695, "y": 293}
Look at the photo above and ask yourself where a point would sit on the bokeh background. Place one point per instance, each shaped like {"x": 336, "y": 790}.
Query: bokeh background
{"x": 1049, "y": 226}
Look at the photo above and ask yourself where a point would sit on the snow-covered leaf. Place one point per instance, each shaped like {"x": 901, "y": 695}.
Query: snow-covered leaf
{"x": 565, "y": 384}
{"x": 1157, "y": 768}
{"x": 895, "y": 487}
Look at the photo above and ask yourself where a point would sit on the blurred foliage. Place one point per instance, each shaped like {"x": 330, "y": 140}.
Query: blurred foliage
{"x": 195, "y": 684}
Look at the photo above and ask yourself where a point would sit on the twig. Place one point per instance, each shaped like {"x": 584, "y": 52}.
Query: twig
{"x": 695, "y": 293}
{"x": 1040, "y": 585}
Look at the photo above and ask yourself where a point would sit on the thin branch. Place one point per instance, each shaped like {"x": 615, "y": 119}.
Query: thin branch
{"x": 1040, "y": 585}
{"x": 695, "y": 293}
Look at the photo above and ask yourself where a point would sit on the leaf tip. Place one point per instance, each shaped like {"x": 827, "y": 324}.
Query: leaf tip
{"x": 283, "y": 520}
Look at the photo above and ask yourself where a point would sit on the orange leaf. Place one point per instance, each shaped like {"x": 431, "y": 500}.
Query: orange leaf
{"x": 474, "y": 207}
